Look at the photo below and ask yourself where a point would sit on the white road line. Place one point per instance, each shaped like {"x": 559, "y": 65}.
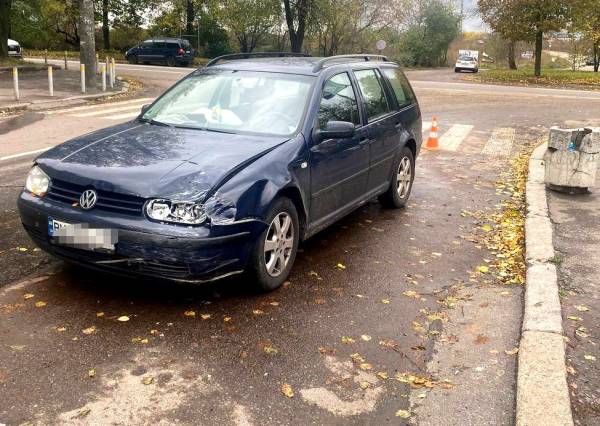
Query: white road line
{"x": 139, "y": 101}
{"x": 23, "y": 154}
{"x": 451, "y": 140}
{"x": 110, "y": 110}
{"x": 500, "y": 143}
{"x": 122, "y": 116}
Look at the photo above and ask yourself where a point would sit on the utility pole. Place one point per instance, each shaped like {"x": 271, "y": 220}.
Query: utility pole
{"x": 87, "y": 44}
{"x": 462, "y": 15}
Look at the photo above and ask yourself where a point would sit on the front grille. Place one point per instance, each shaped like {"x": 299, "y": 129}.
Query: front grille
{"x": 69, "y": 193}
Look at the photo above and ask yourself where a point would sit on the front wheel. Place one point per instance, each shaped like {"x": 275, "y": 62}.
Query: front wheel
{"x": 399, "y": 190}
{"x": 132, "y": 59}
{"x": 275, "y": 250}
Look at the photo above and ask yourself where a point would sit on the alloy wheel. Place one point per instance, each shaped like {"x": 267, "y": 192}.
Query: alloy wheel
{"x": 279, "y": 244}
{"x": 404, "y": 177}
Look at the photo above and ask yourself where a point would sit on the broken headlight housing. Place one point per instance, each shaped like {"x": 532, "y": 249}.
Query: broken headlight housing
{"x": 37, "y": 182}
{"x": 183, "y": 212}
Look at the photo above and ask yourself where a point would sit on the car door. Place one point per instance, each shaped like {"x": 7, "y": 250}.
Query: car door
{"x": 381, "y": 125}
{"x": 339, "y": 167}
{"x": 160, "y": 51}
{"x": 145, "y": 51}
{"x": 408, "y": 109}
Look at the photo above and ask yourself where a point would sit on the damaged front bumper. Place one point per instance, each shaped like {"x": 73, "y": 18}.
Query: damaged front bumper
{"x": 144, "y": 248}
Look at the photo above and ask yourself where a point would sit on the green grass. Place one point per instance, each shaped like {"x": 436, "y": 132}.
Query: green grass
{"x": 549, "y": 77}
{"x": 14, "y": 62}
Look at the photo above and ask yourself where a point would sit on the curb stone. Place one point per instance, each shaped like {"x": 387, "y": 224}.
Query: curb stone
{"x": 542, "y": 393}
{"x": 54, "y": 103}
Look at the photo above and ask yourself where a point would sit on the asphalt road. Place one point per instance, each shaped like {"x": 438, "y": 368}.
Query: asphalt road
{"x": 327, "y": 333}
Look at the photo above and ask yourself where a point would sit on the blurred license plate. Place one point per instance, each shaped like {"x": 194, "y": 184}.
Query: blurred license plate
{"x": 81, "y": 236}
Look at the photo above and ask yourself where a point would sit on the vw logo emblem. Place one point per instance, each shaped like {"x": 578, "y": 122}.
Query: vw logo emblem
{"x": 88, "y": 199}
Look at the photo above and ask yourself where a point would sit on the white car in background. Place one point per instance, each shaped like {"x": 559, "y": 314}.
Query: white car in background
{"x": 14, "y": 49}
{"x": 468, "y": 60}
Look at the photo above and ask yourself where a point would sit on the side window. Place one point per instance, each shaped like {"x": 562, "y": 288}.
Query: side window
{"x": 173, "y": 45}
{"x": 159, "y": 44}
{"x": 400, "y": 86}
{"x": 146, "y": 45}
{"x": 338, "y": 102}
{"x": 373, "y": 93}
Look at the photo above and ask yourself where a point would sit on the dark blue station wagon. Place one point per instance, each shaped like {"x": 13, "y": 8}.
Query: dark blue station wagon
{"x": 229, "y": 169}
{"x": 170, "y": 51}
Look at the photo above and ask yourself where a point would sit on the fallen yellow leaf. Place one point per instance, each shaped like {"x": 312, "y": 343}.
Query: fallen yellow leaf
{"x": 123, "y": 318}
{"x": 148, "y": 380}
{"x": 340, "y": 266}
{"x": 189, "y": 313}
{"x": 590, "y": 357}
{"x": 40, "y": 304}
{"x": 582, "y": 308}
{"x": 28, "y": 296}
{"x": 403, "y": 414}
{"x": 365, "y": 337}
{"x": 512, "y": 351}
{"x": 385, "y": 301}
{"x": 347, "y": 340}
{"x": 257, "y": 312}
{"x": 383, "y": 375}
{"x": 287, "y": 390}
{"x": 89, "y": 330}
{"x": 92, "y": 373}
{"x": 366, "y": 366}
{"x": 205, "y": 316}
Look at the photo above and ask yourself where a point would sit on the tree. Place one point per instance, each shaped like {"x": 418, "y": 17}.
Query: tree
{"x": 426, "y": 41}
{"x": 526, "y": 20}
{"x": 105, "y": 26}
{"x": 586, "y": 19}
{"x": 5, "y": 7}
{"x": 87, "y": 49}
{"x": 250, "y": 20}
{"x": 297, "y": 13}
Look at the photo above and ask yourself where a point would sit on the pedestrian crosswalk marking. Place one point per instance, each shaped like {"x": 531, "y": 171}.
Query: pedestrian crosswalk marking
{"x": 426, "y": 126}
{"x": 139, "y": 101}
{"x": 500, "y": 143}
{"x": 451, "y": 140}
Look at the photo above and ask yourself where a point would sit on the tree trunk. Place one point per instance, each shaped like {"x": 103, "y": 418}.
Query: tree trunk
{"x": 512, "y": 64}
{"x": 4, "y": 27}
{"x": 105, "y": 27}
{"x": 299, "y": 14}
{"x": 596, "y": 55}
{"x": 190, "y": 17}
{"x": 87, "y": 44}
{"x": 539, "y": 40}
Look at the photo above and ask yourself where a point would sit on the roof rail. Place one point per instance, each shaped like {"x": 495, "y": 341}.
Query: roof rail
{"x": 365, "y": 57}
{"x": 234, "y": 56}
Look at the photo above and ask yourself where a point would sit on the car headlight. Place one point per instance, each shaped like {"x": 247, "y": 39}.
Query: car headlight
{"x": 37, "y": 182}
{"x": 183, "y": 212}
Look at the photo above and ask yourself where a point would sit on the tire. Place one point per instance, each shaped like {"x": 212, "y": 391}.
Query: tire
{"x": 396, "y": 197}
{"x": 265, "y": 268}
{"x": 456, "y": 69}
{"x": 171, "y": 61}
{"x": 132, "y": 59}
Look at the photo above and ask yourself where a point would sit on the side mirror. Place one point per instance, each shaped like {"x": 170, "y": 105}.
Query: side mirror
{"x": 145, "y": 108}
{"x": 334, "y": 130}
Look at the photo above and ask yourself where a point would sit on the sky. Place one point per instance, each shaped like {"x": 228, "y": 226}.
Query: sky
{"x": 472, "y": 20}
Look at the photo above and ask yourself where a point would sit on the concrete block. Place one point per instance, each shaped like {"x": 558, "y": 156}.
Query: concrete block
{"x": 542, "y": 304}
{"x": 573, "y": 169}
{"x": 538, "y": 239}
{"x": 542, "y": 394}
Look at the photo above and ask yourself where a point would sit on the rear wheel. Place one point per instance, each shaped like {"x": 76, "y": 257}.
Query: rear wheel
{"x": 397, "y": 194}
{"x": 171, "y": 61}
{"x": 274, "y": 252}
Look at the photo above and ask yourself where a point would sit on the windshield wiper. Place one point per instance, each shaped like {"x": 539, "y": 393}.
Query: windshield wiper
{"x": 154, "y": 122}
{"x": 206, "y": 129}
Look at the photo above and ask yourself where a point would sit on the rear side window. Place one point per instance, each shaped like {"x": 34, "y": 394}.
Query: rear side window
{"x": 373, "y": 93}
{"x": 173, "y": 45}
{"x": 338, "y": 102}
{"x": 160, "y": 44}
{"x": 400, "y": 86}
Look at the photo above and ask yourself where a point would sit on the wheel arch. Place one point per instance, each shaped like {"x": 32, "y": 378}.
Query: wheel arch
{"x": 293, "y": 194}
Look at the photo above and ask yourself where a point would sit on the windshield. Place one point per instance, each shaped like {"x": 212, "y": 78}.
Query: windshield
{"x": 235, "y": 101}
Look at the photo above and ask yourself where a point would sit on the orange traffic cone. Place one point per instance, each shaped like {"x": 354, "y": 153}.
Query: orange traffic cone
{"x": 432, "y": 142}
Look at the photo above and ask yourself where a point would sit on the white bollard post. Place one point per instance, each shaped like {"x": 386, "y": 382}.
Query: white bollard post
{"x": 16, "y": 82}
{"x": 103, "y": 77}
{"x": 97, "y": 64}
{"x": 50, "y": 81}
{"x": 110, "y": 74}
{"x": 82, "y": 70}
{"x": 114, "y": 67}
{"x": 66, "y": 65}
{"x": 46, "y": 56}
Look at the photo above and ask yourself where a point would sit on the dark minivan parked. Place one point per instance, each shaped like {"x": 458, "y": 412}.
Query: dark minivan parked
{"x": 172, "y": 51}
{"x": 229, "y": 169}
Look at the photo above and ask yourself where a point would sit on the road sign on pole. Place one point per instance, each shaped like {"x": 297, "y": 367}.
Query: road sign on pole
{"x": 380, "y": 45}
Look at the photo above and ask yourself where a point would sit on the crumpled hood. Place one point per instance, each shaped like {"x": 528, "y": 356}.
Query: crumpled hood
{"x": 154, "y": 161}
